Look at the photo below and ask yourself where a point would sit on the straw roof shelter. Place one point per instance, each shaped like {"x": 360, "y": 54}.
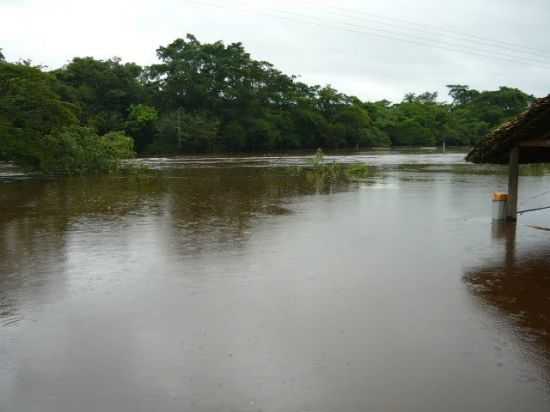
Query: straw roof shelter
{"x": 526, "y": 139}
{"x": 530, "y": 131}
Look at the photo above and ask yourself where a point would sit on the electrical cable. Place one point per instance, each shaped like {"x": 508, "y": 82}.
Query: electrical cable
{"x": 434, "y": 29}
{"x": 290, "y": 16}
{"x": 536, "y": 209}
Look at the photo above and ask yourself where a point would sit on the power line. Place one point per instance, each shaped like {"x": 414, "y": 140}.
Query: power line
{"x": 536, "y": 196}
{"x": 387, "y": 34}
{"x": 431, "y": 28}
{"x": 472, "y": 45}
{"x": 409, "y": 38}
{"x": 537, "y": 209}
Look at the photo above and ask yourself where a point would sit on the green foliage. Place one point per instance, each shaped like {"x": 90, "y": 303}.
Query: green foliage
{"x": 318, "y": 159}
{"x": 38, "y": 130}
{"x": 326, "y": 171}
{"x": 179, "y": 131}
{"x": 322, "y": 172}
{"x": 30, "y": 109}
{"x": 141, "y": 125}
{"x": 205, "y": 97}
{"x": 118, "y": 145}
{"x": 461, "y": 94}
{"x": 473, "y": 113}
{"x": 359, "y": 171}
{"x": 374, "y": 137}
{"x": 257, "y": 107}
{"x": 80, "y": 151}
{"x": 104, "y": 90}
{"x": 141, "y": 114}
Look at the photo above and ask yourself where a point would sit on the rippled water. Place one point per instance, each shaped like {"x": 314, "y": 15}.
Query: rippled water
{"x": 229, "y": 284}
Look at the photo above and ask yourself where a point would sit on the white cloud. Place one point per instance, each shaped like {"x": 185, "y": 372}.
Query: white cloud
{"x": 347, "y": 43}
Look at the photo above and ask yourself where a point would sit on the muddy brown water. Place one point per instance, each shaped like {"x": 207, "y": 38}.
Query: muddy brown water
{"x": 235, "y": 284}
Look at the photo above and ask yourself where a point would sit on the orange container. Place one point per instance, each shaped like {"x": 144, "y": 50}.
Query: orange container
{"x": 500, "y": 197}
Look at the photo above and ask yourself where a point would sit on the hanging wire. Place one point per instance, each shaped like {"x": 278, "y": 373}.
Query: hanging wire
{"x": 447, "y": 30}
{"x": 546, "y": 229}
{"x": 536, "y": 196}
{"x": 536, "y": 209}
{"x": 389, "y": 32}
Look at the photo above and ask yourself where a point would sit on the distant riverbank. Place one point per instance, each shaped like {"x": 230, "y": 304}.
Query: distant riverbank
{"x": 84, "y": 117}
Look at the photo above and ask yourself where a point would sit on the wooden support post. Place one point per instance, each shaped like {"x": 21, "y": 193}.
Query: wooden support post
{"x": 513, "y": 180}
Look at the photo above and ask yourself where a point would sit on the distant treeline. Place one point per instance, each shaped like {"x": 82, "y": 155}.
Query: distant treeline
{"x": 215, "y": 97}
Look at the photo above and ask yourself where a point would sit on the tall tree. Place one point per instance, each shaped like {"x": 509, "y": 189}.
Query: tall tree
{"x": 30, "y": 109}
{"x": 461, "y": 94}
{"x": 104, "y": 89}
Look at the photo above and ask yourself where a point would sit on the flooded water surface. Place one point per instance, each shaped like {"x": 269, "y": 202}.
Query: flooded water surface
{"x": 236, "y": 284}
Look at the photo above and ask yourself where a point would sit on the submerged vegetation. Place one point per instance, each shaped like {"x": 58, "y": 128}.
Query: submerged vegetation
{"x": 359, "y": 171}
{"x": 89, "y": 114}
{"x": 326, "y": 171}
{"x": 80, "y": 151}
{"x": 323, "y": 172}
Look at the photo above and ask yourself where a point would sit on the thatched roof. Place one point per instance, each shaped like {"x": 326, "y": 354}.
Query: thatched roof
{"x": 534, "y": 124}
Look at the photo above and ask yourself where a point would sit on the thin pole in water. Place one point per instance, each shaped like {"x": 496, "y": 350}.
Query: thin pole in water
{"x": 513, "y": 183}
{"x": 178, "y": 128}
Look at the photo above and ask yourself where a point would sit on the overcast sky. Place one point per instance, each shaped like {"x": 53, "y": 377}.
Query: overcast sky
{"x": 374, "y": 49}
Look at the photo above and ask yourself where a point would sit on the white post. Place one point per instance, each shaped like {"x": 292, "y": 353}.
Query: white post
{"x": 500, "y": 206}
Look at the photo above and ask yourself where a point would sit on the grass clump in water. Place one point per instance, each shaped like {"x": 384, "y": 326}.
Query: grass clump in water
{"x": 324, "y": 171}
{"x": 333, "y": 171}
{"x": 358, "y": 171}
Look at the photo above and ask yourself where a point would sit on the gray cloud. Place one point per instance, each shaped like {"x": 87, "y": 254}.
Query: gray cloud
{"x": 364, "y": 48}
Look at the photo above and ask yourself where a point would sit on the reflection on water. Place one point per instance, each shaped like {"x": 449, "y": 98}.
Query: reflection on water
{"x": 231, "y": 284}
{"x": 518, "y": 287}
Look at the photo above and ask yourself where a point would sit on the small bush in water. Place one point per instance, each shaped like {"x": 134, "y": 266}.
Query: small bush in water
{"x": 335, "y": 171}
{"x": 80, "y": 151}
{"x": 326, "y": 171}
{"x": 358, "y": 171}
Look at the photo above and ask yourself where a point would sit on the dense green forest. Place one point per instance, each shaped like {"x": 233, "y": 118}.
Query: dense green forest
{"x": 214, "y": 97}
